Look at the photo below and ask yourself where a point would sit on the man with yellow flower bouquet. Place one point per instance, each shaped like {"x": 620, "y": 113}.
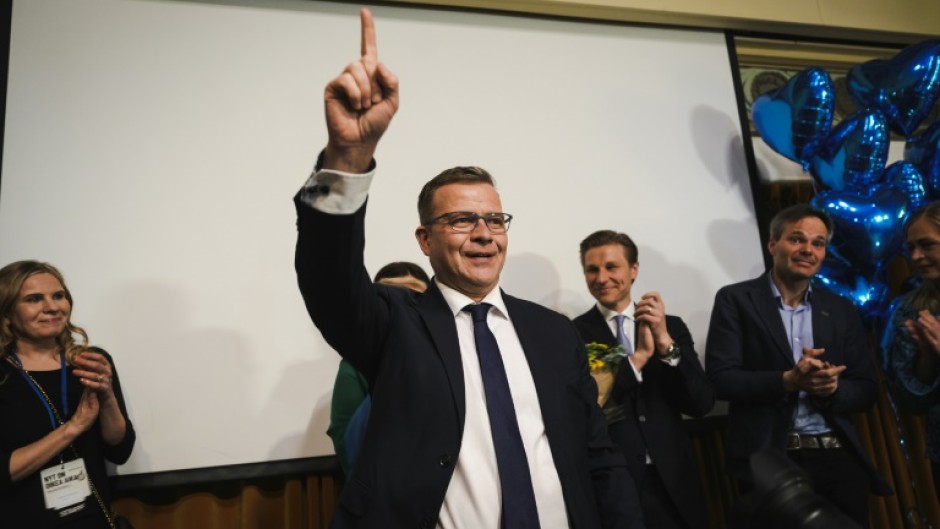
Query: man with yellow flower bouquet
{"x": 648, "y": 375}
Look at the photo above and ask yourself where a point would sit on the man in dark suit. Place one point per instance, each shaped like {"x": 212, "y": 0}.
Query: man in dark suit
{"x": 484, "y": 414}
{"x": 652, "y": 388}
{"x": 793, "y": 362}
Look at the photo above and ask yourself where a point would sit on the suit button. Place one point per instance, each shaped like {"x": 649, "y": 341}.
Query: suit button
{"x": 641, "y": 458}
{"x": 641, "y": 418}
{"x": 427, "y": 523}
{"x": 445, "y": 461}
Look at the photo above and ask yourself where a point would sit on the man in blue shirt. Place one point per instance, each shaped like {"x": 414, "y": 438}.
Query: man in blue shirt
{"x": 793, "y": 362}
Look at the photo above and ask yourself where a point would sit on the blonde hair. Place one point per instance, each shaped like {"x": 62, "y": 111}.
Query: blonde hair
{"x": 12, "y": 277}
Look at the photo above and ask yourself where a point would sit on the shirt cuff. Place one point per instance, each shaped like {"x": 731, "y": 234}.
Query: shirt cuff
{"x": 336, "y": 192}
{"x": 671, "y": 361}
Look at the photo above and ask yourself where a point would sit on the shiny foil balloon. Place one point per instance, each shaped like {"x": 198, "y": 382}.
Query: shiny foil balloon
{"x": 795, "y": 118}
{"x": 904, "y": 87}
{"x": 869, "y": 225}
{"x": 868, "y": 293}
{"x": 907, "y": 179}
{"x": 854, "y": 155}
{"x": 923, "y": 152}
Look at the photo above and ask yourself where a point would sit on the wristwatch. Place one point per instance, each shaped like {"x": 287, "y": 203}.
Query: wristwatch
{"x": 672, "y": 352}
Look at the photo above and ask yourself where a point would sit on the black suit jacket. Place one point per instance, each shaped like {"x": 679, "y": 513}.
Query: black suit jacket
{"x": 654, "y": 411}
{"x": 747, "y": 351}
{"x": 405, "y": 343}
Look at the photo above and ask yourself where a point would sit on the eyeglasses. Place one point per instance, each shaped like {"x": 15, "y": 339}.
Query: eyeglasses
{"x": 466, "y": 221}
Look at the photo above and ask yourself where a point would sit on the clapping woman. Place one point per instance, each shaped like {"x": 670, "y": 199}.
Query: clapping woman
{"x": 914, "y": 339}
{"x": 62, "y": 413}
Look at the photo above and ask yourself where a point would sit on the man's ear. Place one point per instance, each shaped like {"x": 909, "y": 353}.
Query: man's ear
{"x": 422, "y": 236}
{"x": 634, "y": 271}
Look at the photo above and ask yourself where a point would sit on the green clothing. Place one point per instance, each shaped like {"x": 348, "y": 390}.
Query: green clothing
{"x": 349, "y": 390}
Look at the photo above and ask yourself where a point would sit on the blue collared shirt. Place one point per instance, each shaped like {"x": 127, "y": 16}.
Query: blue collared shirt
{"x": 798, "y": 323}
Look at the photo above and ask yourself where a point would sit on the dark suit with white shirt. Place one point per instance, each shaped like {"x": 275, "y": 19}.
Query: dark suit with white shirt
{"x": 653, "y": 423}
{"x": 406, "y": 345}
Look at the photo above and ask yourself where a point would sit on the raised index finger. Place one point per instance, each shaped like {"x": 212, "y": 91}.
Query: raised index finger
{"x": 369, "y": 47}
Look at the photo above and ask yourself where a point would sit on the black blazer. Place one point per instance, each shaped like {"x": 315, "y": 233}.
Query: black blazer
{"x": 405, "y": 344}
{"x": 654, "y": 411}
{"x": 747, "y": 351}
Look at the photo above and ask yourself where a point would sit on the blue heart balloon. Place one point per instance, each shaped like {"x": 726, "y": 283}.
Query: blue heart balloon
{"x": 795, "y": 118}
{"x": 854, "y": 155}
{"x": 904, "y": 87}
{"x": 907, "y": 179}
{"x": 923, "y": 152}
{"x": 868, "y": 225}
{"x": 868, "y": 294}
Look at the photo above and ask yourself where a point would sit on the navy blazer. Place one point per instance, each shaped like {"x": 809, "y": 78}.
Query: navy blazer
{"x": 405, "y": 343}
{"x": 747, "y": 351}
{"x": 654, "y": 411}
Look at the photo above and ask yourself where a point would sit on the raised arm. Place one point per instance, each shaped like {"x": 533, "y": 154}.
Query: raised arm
{"x": 339, "y": 295}
{"x": 359, "y": 105}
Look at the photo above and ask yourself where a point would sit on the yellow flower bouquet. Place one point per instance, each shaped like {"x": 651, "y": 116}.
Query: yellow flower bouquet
{"x": 603, "y": 357}
{"x": 603, "y": 360}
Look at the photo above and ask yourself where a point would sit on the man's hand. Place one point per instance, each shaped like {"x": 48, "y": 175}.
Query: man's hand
{"x": 359, "y": 103}
{"x": 813, "y": 375}
{"x": 651, "y": 310}
{"x": 645, "y": 348}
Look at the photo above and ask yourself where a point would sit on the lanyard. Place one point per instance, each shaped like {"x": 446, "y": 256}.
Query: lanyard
{"x": 32, "y": 384}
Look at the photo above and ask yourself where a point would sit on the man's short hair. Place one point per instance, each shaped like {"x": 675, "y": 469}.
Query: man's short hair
{"x": 402, "y": 269}
{"x": 602, "y": 237}
{"x": 796, "y": 213}
{"x": 454, "y": 175}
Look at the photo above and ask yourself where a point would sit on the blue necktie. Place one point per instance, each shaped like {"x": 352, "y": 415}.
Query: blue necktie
{"x": 518, "y": 508}
{"x": 622, "y": 336}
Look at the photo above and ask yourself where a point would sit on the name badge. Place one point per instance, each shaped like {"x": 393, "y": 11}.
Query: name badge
{"x": 65, "y": 485}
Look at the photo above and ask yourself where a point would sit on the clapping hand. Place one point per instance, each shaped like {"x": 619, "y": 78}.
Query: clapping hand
{"x": 645, "y": 345}
{"x": 651, "y": 310}
{"x": 95, "y": 373}
{"x": 812, "y": 375}
{"x": 925, "y": 331}
{"x": 86, "y": 413}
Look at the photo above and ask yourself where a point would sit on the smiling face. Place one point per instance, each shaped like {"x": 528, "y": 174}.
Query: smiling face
{"x": 609, "y": 275}
{"x": 923, "y": 243}
{"x": 799, "y": 252}
{"x": 41, "y": 310}
{"x": 467, "y": 262}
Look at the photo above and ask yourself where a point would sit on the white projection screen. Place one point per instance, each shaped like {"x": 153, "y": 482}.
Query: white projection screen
{"x": 153, "y": 148}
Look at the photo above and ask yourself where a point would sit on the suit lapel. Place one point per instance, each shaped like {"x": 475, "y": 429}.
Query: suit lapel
{"x": 443, "y": 331}
{"x": 600, "y": 331}
{"x": 767, "y": 311}
{"x": 822, "y": 320}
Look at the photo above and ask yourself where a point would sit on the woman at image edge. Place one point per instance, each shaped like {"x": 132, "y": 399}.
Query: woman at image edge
{"x": 44, "y": 373}
{"x": 914, "y": 342}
